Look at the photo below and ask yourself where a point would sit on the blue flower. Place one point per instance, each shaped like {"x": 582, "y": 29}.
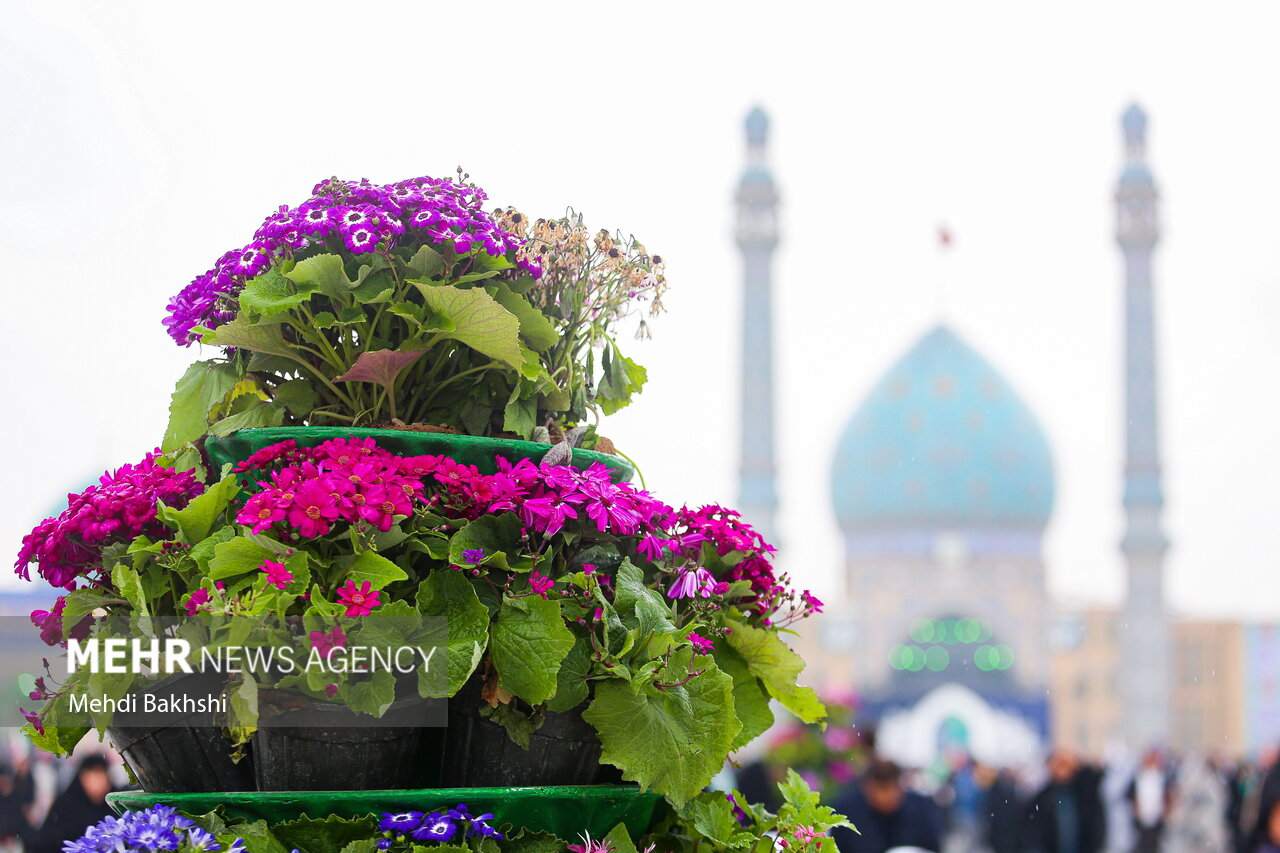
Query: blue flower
{"x": 435, "y": 827}
{"x": 401, "y": 822}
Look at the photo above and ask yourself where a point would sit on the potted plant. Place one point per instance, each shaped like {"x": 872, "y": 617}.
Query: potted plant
{"x": 91, "y": 550}
{"x": 420, "y": 822}
{"x": 407, "y": 305}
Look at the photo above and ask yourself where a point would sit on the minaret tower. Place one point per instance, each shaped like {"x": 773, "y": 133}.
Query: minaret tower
{"x": 757, "y": 233}
{"x": 1145, "y": 634}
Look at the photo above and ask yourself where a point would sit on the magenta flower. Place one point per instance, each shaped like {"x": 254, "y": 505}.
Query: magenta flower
{"x": 121, "y": 507}
{"x": 196, "y": 601}
{"x": 701, "y": 644}
{"x": 34, "y": 719}
{"x": 692, "y": 583}
{"x": 50, "y": 623}
{"x": 277, "y": 575}
{"x": 540, "y": 584}
{"x": 330, "y": 690}
{"x": 314, "y": 506}
{"x": 359, "y": 601}
{"x": 326, "y": 641}
{"x": 604, "y": 845}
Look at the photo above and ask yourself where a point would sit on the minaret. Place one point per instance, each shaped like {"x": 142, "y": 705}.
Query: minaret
{"x": 757, "y": 234}
{"x": 1145, "y": 637}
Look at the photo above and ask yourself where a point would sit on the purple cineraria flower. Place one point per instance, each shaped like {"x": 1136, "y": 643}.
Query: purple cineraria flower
{"x": 253, "y": 259}
{"x": 701, "y": 644}
{"x": 435, "y": 827}
{"x": 473, "y": 556}
{"x": 692, "y": 583}
{"x": 361, "y": 240}
{"x": 401, "y": 822}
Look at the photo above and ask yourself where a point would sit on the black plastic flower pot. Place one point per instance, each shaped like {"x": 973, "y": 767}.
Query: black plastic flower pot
{"x": 171, "y": 753}
{"x": 478, "y": 753}
{"x": 303, "y": 744}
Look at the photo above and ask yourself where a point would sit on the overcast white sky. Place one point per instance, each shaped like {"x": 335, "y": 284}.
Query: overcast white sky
{"x": 141, "y": 140}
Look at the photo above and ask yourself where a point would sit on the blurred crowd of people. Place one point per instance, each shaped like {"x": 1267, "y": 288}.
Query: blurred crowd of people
{"x": 45, "y": 802}
{"x": 1067, "y": 805}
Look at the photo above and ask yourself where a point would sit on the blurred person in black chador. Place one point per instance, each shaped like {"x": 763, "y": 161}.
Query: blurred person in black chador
{"x": 1002, "y": 807}
{"x": 17, "y": 792}
{"x": 84, "y": 802}
{"x": 886, "y": 814}
{"x": 1066, "y": 816}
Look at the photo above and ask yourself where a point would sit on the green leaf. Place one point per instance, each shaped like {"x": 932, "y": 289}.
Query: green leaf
{"x": 426, "y": 263}
{"x": 129, "y": 585}
{"x": 273, "y": 293}
{"x": 519, "y": 725}
{"x": 528, "y": 643}
{"x": 536, "y": 330}
{"x": 257, "y": 837}
{"x": 750, "y": 701}
{"x": 643, "y": 608}
{"x": 80, "y": 604}
{"x": 453, "y": 617}
{"x": 475, "y": 318}
{"x": 196, "y": 519}
{"x": 324, "y": 273}
{"x": 260, "y": 414}
{"x": 237, "y": 557}
{"x": 571, "y": 680}
{"x": 673, "y": 740}
{"x": 202, "y": 387}
{"x": 622, "y": 378}
{"x": 298, "y": 396}
{"x": 531, "y": 841}
{"x": 521, "y": 412}
{"x": 256, "y": 337}
{"x": 712, "y": 816}
{"x": 389, "y": 626}
{"x": 621, "y": 839}
{"x": 777, "y": 667}
{"x": 372, "y": 697}
{"x": 497, "y": 535}
{"x": 376, "y": 569}
{"x": 243, "y": 712}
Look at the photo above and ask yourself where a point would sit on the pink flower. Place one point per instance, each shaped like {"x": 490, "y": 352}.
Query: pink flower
{"x": 326, "y": 641}
{"x": 806, "y": 834}
{"x": 692, "y": 583}
{"x": 330, "y": 690}
{"x": 314, "y": 507}
{"x": 701, "y": 644}
{"x": 588, "y": 846}
{"x": 540, "y": 584}
{"x": 197, "y": 601}
{"x": 277, "y": 575}
{"x": 359, "y": 601}
{"x": 34, "y": 719}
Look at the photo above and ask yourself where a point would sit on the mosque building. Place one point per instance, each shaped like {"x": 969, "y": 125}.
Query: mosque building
{"x": 943, "y": 484}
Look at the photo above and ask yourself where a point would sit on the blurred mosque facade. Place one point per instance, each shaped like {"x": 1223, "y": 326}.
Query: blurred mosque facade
{"x": 943, "y": 485}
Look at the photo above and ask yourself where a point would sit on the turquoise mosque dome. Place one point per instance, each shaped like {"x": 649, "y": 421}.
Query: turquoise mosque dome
{"x": 943, "y": 440}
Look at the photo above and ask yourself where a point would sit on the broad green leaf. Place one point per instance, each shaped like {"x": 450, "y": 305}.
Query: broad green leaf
{"x": 202, "y": 387}
{"x": 528, "y": 643}
{"x": 298, "y": 396}
{"x": 452, "y": 617}
{"x": 256, "y": 337}
{"x": 777, "y": 667}
{"x": 389, "y": 626}
{"x": 324, "y": 273}
{"x": 531, "y": 841}
{"x": 376, "y": 569}
{"x": 750, "y": 701}
{"x": 81, "y": 603}
{"x": 671, "y": 740}
{"x": 196, "y": 519}
{"x": 331, "y": 833}
{"x": 273, "y": 293}
{"x": 372, "y": 697}
{"x": 237, "y": 557}
{"x": 536, "y": 330}
{"x": 521, "y": 412}
{"x": 642, "y": 608}
{"x": 257, "y": 415}
{"x": 60, "y": 737}
{"x": 497, "y": 535}
{"x": 622, "y": 378}
{"x": 712, "y": 816}
{"x": 426, "y": 263}
{"x": 571, "y": 680}
{"x": 475, "y": 318}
